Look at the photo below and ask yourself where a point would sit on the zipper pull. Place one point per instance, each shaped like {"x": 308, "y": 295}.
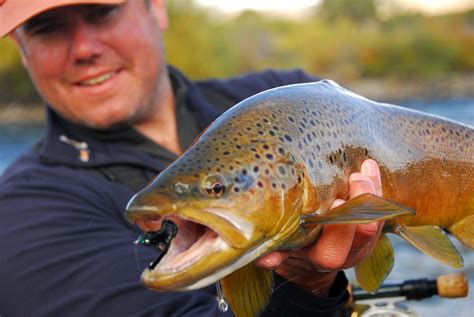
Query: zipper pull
{"x": 82, "y": 147}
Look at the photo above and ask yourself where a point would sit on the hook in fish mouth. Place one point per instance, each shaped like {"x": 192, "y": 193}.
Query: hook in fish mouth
{"x": 179, "y": 242}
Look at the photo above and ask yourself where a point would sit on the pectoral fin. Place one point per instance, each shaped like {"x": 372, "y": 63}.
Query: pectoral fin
{"x": 464, "y": 231}
{"x": 433, "y": 241}
{"x": 364, "y": 208}
{"x": 371, "y": 272}
{"x": 247, "y": 290}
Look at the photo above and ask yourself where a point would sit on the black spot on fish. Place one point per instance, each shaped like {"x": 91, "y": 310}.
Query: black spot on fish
{"x": 226, "y": 153}
{"x": 266, "y": 147}
{"x": 259, "y": 184}
{"x": 256, "y": 169}
{"x": 271, "y": 133}
{"x": 269, "y": 156}
{"x": 291, "y": 119}
{"x": 281, "y": 150}
{"x": 282, "y": 170}
{"x": 236, "y": 189}
{"x": 257, "y": 156}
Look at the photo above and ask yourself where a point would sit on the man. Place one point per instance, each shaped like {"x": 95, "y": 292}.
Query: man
{"x": 117, "y": 115}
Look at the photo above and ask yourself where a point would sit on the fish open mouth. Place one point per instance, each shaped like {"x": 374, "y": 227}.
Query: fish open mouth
{"x": 192, "y": 242}
{"x": 183, "y": 254}
{"x": 208, "y": 245}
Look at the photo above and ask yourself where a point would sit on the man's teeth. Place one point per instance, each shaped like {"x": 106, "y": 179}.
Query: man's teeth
{"x": 97, "y": 80}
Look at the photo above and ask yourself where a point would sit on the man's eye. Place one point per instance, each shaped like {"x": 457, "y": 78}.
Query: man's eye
{"x": 44, "y": 28}
{"x": 98, "y": 13}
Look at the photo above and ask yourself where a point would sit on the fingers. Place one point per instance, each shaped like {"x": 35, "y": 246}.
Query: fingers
{"x": 371, "y": 169}
{"x": 368, "y": 181}
{"x": 272, "y": 260}
{"x": 334, "y": 244}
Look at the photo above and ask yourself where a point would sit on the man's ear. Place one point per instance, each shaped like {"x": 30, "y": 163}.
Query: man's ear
{"x": 16, "y": 40}
{"x": 158, "y": 9}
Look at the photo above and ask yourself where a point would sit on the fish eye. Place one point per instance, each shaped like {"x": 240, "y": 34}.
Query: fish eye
{"x": 214, "y": 186}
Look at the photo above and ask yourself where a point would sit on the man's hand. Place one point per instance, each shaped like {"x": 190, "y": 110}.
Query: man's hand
{"x": 339, "y": 247}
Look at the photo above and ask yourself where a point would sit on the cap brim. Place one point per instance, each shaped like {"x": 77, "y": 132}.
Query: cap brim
{"x": 13, "y": 12}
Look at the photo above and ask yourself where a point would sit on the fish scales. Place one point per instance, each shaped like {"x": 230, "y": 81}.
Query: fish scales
{"x": 331, "y": 133}
{"x": 281, "y": 157}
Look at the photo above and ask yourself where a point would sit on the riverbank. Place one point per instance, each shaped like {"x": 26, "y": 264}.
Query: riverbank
{"x": 383, "y": 90}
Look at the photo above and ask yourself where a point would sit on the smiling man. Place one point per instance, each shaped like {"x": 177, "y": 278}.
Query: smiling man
{"x": 117, "y": 115}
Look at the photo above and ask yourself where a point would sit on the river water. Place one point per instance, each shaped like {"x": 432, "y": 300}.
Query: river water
{"x": 409, "y": 263}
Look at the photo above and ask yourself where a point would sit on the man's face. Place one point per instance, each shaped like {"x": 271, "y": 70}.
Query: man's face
{"x": 97, "y": 65}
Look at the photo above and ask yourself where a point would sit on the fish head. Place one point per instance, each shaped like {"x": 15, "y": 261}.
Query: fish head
{"x": 230, "y": 207}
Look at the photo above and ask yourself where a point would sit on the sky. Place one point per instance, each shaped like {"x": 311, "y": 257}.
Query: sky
{"x": 427, "y": 6}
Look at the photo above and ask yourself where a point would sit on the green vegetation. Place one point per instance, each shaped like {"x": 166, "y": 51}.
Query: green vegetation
{"x": 337, "y": 40}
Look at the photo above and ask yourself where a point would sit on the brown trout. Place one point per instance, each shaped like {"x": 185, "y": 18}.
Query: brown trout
{"x": 263, "y": 175}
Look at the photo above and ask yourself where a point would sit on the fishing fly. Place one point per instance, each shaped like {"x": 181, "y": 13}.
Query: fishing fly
{"x": 160, "y": 239}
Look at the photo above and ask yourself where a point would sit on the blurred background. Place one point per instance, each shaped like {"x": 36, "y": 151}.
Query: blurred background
{"x": 415, "y": 53}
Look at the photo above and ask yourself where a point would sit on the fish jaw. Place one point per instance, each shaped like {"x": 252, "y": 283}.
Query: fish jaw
{"x": 202, "y": 264}
{"x": 211, "y": 242}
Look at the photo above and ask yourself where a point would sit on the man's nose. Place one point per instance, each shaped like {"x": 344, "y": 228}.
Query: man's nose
{"x": 85, "y": 43}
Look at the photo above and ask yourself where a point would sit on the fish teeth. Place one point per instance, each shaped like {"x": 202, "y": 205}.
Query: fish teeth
{"x": 97, "y": 80}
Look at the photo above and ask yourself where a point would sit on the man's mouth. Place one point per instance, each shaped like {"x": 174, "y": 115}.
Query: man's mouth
{"x": 97, "y": 80}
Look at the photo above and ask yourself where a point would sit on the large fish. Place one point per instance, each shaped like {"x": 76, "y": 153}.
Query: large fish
{"x": 263, "y": 175}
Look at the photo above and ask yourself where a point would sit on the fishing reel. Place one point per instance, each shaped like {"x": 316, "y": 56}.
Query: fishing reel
{"x": 387, "y": 301}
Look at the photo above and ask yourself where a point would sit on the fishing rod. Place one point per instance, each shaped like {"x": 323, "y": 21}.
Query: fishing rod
{"x": 385, "y": 302}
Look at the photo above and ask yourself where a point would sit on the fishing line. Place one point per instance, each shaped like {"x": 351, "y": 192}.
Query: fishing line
{"x": 136, "y": 253}
{"x": 221, "y": 302}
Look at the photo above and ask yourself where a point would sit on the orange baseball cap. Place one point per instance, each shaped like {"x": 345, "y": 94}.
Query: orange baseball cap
{"x": 15, "y": 12}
